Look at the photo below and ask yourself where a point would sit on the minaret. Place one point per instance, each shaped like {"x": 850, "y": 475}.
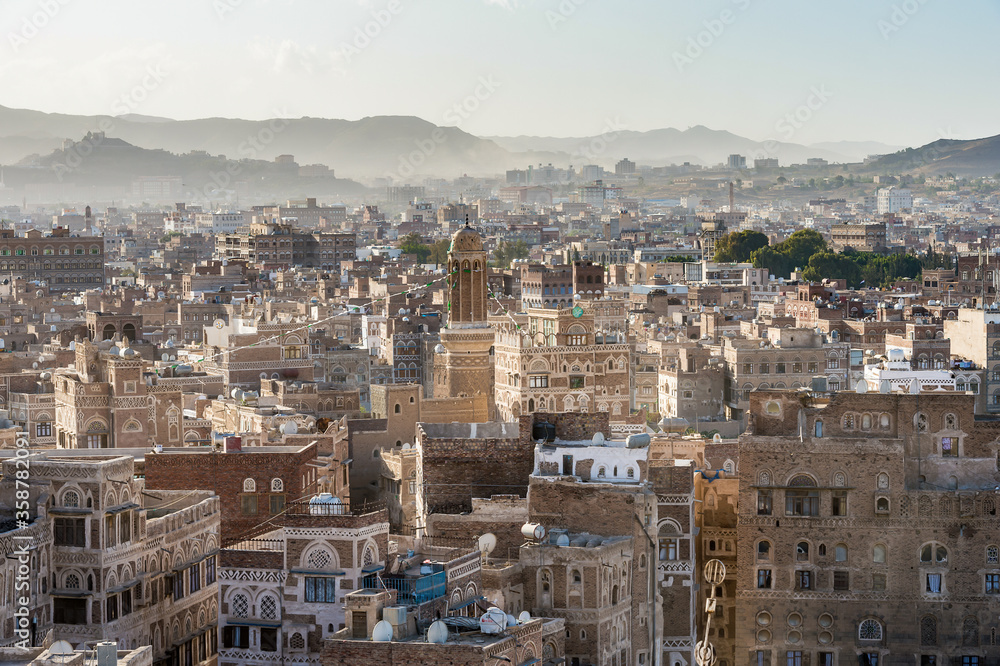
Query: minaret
{"x": 464, "y": 367}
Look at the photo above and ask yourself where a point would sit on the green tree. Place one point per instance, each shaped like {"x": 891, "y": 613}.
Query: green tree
{"x": 739, "y": 245}
{"x": 439, "y": 252}
{"x": 832, "y": 265}
{"x": 414, "y": 244}
{"x": 801, "y": 245}
{"x": 775, "y": 261}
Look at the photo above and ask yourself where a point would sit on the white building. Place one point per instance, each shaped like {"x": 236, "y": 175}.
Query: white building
{"x": 894, "y": 200}
{"x": 897, "y": 374}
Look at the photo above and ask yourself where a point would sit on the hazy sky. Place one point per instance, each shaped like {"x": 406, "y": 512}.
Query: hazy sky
{"x": 899, "y": 71}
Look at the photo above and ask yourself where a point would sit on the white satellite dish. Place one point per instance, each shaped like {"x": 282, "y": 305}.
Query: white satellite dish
{"x": 164, "y": 357}
{"x": 290, "y": 428}
{"x": 382, "y": 633}
{"x": 598, "y": 439}
{"x": 487, "y": 543}
{"x": 62, "y": 651}
{"x": 438, "y": 632}
{"x": 562, "y": 541}
{"x": 524, "y": 617}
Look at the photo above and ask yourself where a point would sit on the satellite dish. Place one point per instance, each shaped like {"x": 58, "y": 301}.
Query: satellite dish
{"x": 34, "y": 366}
{"x": 511, "y": 620}
{"x": 487, "y": 543}
{"x": 598, "y": 439}
{"x": 61, "y": 649}
{"x": 164, "y": 357}
{"x": 862, "y": 386}
{"x": 562, "y": 541}
{"x": 290, "y": 428}
{"x": 437, "y": 633}
{"x": 382, "y": 633}
{"x": 525, "y": 616}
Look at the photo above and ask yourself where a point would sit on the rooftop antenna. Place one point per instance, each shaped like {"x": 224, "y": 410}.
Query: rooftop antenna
{"x": 732, "y": 208}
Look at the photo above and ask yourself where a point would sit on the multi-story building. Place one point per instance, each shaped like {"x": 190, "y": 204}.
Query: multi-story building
{"x": 975, "y": 336}
{"x": 866, "y": 530}
{"x": 893, "y": 200}
{"x": 107, "y": 560}
{"x": 63, "y": 261}
{"x": 246, "y": 351}
{"x": 691, "y": 385}
{"x": 308, "y": 215}
{"x": 104, "y": 401}
{"x": 551, "y": 360}
{"x": 861, "y": 237}
{"x": 554, "y": 286}
{"x": 787, "y": 358}
{"x": 277, "y": 244}
{"x": 283, "y": 585}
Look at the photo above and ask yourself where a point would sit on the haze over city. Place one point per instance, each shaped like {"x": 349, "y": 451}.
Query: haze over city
{"x": 895, "y": 70}
{"x": 484, "y": 332}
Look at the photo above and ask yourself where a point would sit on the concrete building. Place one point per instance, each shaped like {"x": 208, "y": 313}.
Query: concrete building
{"x": 893, "y": 200}
{"x": 975, "y": 336}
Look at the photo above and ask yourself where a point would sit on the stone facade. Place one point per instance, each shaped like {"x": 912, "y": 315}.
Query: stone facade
{"x": 112, "y": 561}
{"x": 550, "y": 360}
{"x": 252, "y": 485}
{"x": 463, "y": 365}
{"x": 867, "y": 528}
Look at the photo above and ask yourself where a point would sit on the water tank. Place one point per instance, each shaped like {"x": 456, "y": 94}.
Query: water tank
{"x": 637, "y": 441}
{"x": 543, "y": 431}
{"x": 493, "y": 621}
{"x": 533, "y": 531}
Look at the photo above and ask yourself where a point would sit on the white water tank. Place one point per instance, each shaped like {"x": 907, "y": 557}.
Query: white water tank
{"x": 493, "y": 621}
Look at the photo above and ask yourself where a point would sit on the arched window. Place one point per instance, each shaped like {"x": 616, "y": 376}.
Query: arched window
{"x": 240, "y": 605}
{"x": 879, "y": 554}
{"x": 277, "y": 486}
{"x": 950, "y": 422}
{"x": 882, "y": 505}
{"x": 870, "y": 630}
{"x": 764, "y": 551}
{"x": 882, "y": 481}
{"x": 933, "y": 553}
{"x": 928, "y": 630}
{"x": 396, "y": 409}
{"x": 840, "y": 552}
{"x": 249, "y": 486}
{"x": 818, "y": 428}
{"x": 319, "y": 559}
{"x": 268, "y": 609}
{"x": 970, "y": 632}
{"x": 71, "y": 499}
{"x": 992, "y": 555}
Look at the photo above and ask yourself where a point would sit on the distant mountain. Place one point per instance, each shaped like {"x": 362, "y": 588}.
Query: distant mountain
{"x": 972, "y": 157}
{"x": 399, "y": 146}
{"x": 857, "y": 150}
{"x": 699, "y": 145}
{"x": 108, "y": 161}
{"x": 407, "y": 148}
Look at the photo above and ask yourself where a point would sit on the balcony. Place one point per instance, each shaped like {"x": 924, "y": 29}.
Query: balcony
{"x": 411, "y": 590}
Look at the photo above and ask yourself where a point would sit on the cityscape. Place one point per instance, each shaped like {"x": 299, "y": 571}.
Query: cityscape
{"x": 555, "y": 332}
